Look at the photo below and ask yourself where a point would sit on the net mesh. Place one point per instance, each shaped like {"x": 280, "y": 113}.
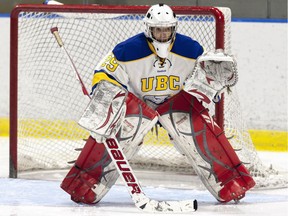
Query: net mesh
{"x": 50, "y": 101}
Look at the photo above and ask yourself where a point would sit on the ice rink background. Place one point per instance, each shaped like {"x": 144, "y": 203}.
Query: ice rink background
{"x": 20, "y": 197}
{"x": 261, "y": 52}
{"x": 26, "y": 197}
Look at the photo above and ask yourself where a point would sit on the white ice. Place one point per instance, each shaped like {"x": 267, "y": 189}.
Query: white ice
{"x": 24, "y": 197}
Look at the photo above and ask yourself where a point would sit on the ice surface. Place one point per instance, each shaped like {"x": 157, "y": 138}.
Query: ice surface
{"x": 24, "y": 197}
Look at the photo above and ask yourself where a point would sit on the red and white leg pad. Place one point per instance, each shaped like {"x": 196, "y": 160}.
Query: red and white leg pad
{"x": 93, "y": 174}
{"x": 196, "y": 135}
{"x": 91, "y": 171}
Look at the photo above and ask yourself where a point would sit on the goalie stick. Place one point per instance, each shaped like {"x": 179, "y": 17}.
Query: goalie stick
{"x": 55, "y": 32}
{"x": 123, "y": 167}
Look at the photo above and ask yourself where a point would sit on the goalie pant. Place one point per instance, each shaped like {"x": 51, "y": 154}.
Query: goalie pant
{"x": 203, "y": 142}
{"x": 93, "y": 174}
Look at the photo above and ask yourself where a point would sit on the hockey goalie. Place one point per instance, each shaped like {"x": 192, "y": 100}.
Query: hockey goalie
{"x": 166, "y": 78}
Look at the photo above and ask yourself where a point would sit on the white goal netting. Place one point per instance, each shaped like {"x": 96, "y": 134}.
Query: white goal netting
{"x": 50, "y": 100}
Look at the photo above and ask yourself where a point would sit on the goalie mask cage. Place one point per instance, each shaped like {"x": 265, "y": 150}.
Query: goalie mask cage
{"x": 46, "y": 101}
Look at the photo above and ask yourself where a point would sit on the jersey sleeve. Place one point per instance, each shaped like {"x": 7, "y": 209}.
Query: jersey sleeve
{"x": 114, "y": 67}
{"x": 110, "y": 69}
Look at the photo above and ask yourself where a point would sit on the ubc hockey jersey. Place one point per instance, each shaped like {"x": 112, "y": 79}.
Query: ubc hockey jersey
{"x": 134, "y": 64}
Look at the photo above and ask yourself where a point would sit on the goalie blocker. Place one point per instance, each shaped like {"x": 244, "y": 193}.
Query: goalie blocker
{"x": 203, "y": 142}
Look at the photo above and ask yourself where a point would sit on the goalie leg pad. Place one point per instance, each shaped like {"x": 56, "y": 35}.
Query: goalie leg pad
{"x": 204, "y": 143}
{"x": 93, "y": 174}
{"x": 139, "y": 119}
{"x": 90, "y": 172}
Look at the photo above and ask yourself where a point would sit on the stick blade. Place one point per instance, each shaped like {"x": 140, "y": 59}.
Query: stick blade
{"x": 148, "y": 205}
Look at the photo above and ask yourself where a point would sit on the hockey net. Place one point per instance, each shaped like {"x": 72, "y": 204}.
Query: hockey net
{"x": 46, "y": 100}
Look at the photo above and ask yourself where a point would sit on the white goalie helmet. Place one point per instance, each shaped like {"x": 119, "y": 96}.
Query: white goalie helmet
{"x": 160, "y": 28}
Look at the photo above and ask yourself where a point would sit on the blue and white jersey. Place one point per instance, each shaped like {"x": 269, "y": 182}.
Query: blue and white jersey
{"x": 134, "y": 64}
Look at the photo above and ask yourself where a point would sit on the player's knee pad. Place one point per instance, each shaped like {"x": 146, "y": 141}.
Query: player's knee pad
{"x": 204, "y": 143}
{"x": 93, "y": 174}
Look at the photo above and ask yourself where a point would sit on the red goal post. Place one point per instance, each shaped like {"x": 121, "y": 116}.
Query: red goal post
{"x": 46, "y": 100}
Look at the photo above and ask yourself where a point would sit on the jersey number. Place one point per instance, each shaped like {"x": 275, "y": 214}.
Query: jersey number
{"x": 110, "y": 63}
